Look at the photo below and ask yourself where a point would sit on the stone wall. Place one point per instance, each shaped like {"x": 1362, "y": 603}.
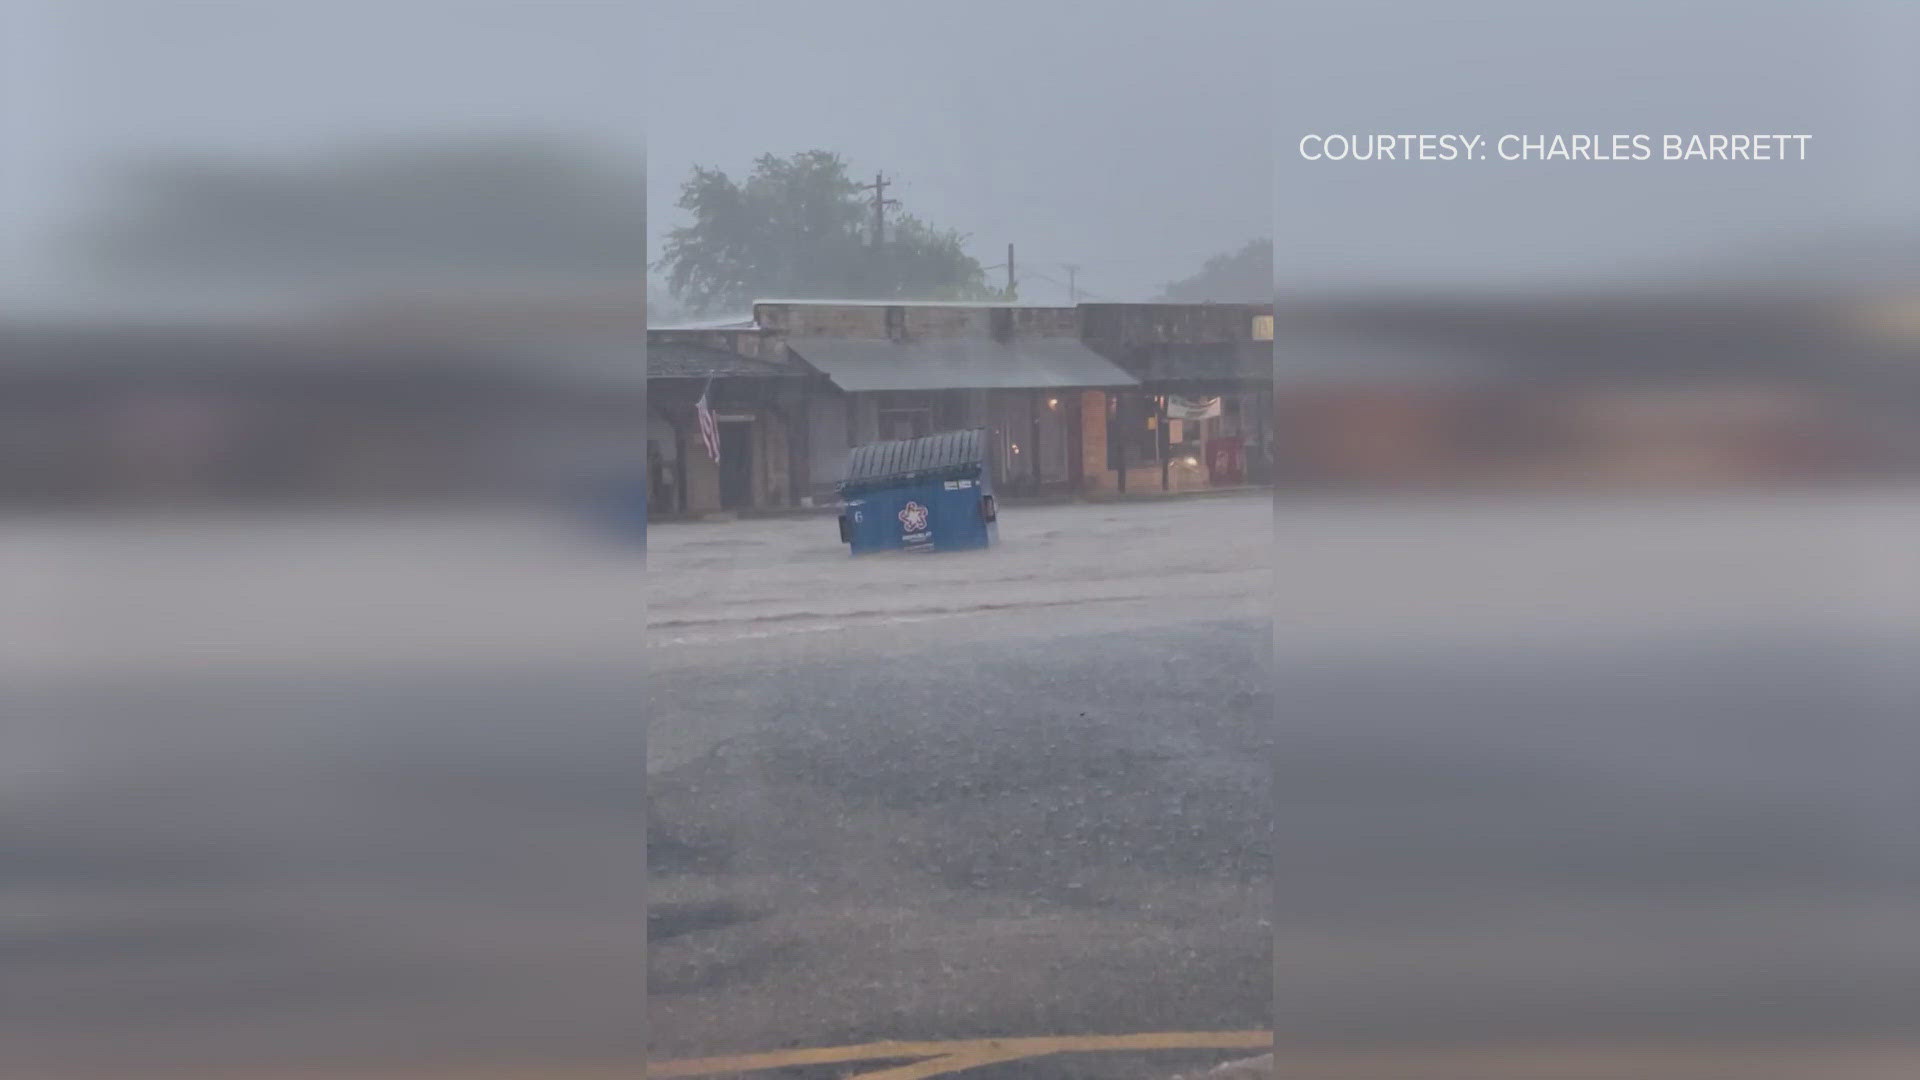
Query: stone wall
{"x": 779, "y": 321}
{"x": 772, "y": 475}
{"x": 1154, "y": 324}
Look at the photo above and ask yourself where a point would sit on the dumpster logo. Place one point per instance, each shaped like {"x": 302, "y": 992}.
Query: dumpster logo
{"x": 913, "y": 517}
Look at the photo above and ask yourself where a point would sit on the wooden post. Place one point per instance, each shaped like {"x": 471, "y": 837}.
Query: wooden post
{"x": 1262, "y": 424}
{"x": 1076, "y": 435}
{"x": 679, "y": 463}
{"x": 1033, "y": 448}
{"x": 799, "y": 417}
{"x": 1160, "y": 446}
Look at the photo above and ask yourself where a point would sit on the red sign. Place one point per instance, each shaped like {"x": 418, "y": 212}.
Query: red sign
{"x": 1227, "y": 460}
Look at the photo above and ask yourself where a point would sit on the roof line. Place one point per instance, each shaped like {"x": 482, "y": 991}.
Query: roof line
{"x": 919, "y": 303}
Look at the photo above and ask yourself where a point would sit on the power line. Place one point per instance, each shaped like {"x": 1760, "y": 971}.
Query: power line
{"x": 1072, "y": 289}
{"x": 1084, "y": 260}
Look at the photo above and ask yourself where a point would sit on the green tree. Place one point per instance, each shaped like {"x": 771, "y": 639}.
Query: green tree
{"x": 1240, "y": 277}
{"x": 800, "y": 227}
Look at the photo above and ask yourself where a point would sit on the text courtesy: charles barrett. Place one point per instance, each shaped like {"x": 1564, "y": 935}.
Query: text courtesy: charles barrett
{"x": 1583, "y": 146}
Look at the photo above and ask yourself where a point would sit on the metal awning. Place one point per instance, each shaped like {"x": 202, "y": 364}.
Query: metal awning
{"x": 679, "y": 360}
{"x": 860, "y": 364}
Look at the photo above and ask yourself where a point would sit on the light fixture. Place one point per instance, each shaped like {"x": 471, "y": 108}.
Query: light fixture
{"x": 1053, "y": 403}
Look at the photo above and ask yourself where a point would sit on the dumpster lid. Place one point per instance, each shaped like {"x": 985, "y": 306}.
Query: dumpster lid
{"x": 880, "y": 463}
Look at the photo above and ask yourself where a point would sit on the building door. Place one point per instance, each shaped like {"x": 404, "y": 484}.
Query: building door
{"x": 905, "y": 423}
{"x": 736, "y": 464}
{"x": 1052, "y": 428}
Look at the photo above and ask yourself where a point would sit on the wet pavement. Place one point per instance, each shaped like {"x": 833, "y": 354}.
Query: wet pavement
{"x": 1015, "y": 792}
{"x": 743, "y": 580}
{"x": 989, "y": 839}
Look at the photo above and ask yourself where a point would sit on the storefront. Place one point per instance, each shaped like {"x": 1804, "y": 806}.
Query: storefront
{"x": 1033, "y": 440}
{"x": 1223, "y": 435}
{"x": 760, "y": 420}
{"x": 1028, "y": 393}
{"x": 1201, "y": 419}
{"x": 663, "y": 462}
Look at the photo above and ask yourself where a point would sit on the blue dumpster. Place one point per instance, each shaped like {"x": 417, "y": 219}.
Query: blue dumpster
{"x": 928, "y": 494}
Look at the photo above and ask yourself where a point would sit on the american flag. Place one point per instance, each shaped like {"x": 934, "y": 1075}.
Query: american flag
{"x": 709, "y": 429}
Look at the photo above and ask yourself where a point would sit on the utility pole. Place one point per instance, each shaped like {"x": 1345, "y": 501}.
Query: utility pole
{"x": 1073, "y": 291}
{"x": 880, "y": 204}
{"x": 1010, "y": 281}
{"x": 881, "y": 286}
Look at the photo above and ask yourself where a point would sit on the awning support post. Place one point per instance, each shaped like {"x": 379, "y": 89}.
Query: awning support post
{"x": 1033, "y": 448}
{"x": 1160, "y": 445}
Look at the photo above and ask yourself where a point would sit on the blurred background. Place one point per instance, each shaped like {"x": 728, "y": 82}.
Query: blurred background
{"x": 1593, "y": 658}
{"x": 322, "y": 496}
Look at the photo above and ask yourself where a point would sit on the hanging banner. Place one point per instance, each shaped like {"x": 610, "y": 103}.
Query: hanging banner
{"x": 1179, "y": 408}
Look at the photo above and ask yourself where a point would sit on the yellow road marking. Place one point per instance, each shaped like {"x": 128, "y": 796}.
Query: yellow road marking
{"x": 1746, "y": 1061}
{"x": 937, "y": 1058}
{"x": 1591, "y": 1062}
{"x": 940, "y": 1066}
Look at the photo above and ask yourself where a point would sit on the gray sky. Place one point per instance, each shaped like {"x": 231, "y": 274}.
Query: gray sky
{"x": 1131, "y": 138}
{"x": 1120, "y": 136}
